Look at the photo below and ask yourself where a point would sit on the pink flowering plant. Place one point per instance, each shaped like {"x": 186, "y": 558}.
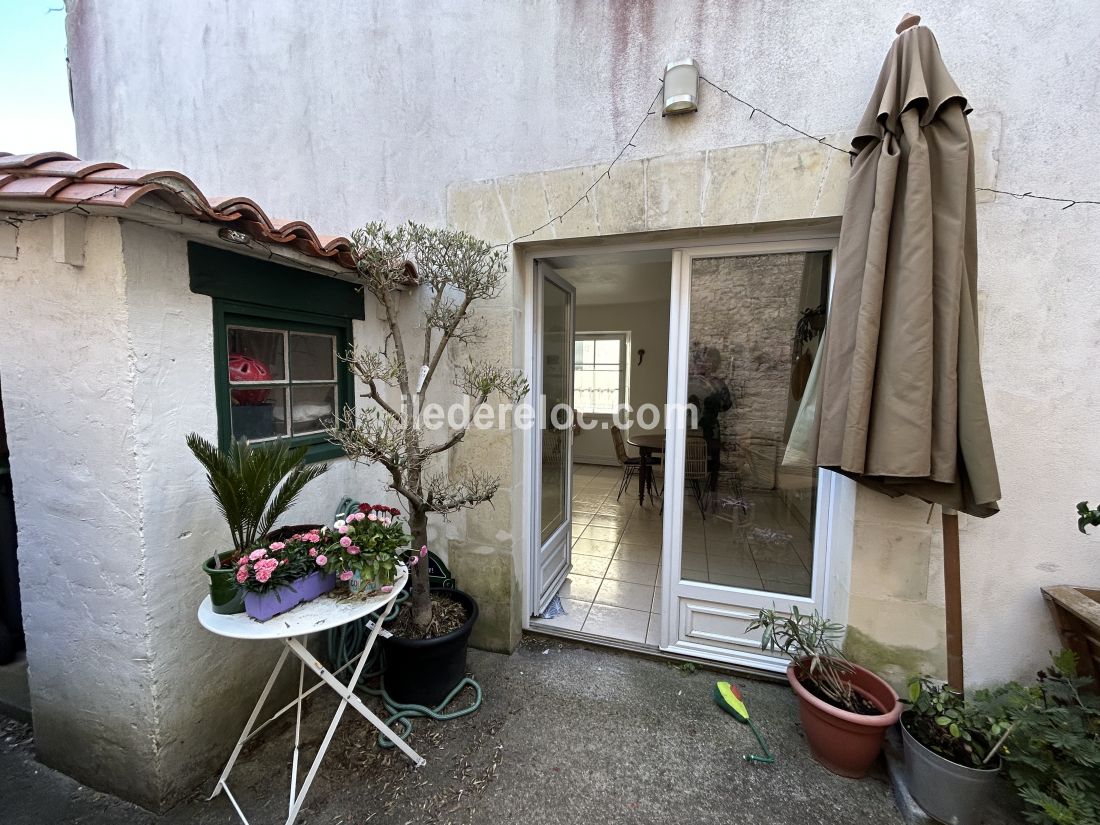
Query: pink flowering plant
{"x": 366, "y": 546}
{"x": 280, "y": 563}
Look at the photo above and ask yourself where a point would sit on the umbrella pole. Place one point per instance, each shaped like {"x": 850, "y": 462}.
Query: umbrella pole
{"x": 952, "y": 586}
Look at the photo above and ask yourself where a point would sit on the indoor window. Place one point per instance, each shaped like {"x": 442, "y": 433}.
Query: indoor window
{"x": 600, "y": 372}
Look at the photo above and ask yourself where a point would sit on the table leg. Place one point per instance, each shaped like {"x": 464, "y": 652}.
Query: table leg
{"x": 297, "y": 737}
{"x": 643, "y": 471}
{"x": 348, "y": 697}
{"x": 248, "y": 728}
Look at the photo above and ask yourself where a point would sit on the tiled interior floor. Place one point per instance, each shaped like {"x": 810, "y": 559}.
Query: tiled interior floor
{"x": 612, "y": 590}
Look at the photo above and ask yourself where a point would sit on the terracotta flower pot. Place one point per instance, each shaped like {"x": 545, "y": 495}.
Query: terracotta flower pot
{"x": 844, "y": 742}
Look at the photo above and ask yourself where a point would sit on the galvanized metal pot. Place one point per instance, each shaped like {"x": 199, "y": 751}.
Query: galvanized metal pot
{"x": 951, "y": 793}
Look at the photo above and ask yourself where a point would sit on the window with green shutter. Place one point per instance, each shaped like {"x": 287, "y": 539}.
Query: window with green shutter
{"x": 278, "y": 337}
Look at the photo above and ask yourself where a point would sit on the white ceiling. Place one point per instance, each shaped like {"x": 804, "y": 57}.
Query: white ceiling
{"x": 618, "y": 277}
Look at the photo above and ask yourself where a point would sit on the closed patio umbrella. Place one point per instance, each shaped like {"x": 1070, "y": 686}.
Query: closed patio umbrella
{"x": 896, "y": 402}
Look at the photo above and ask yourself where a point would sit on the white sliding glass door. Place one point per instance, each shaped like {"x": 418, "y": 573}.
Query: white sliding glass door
{"x": 742, "y": 530}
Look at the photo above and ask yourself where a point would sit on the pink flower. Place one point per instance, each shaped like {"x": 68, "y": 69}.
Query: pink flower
{"x": 243, "y": 559}
{"x": 345, "y": 542}
{"x": 313, "y": 537}
{"x": 276, "y": 545}
{"x": 242, "y": 574}
{"x": 343, "y": 531}
{"x": 357, "y": 517}
{"x": 413, "y": 561}
{"x": 263, "y": 575}
{"x": 373, "y": 517}
{"x": 386, "y": 588}
{"x": 313, "y": 551}
{"x": 346, "y": 576}
{"x": 354, "y": 549}
{"x": 322, "y": 560}
{"x": 424, "y": 552}
{"x": 266, "y": 565}
{"x": 257, "y": 554}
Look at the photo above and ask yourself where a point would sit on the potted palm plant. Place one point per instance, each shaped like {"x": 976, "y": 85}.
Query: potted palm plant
{"x": 426, "y": 655}
{"x": 254, "y": 485}
{"x": 845, "y": 709}
{"x": 951, "y": 747}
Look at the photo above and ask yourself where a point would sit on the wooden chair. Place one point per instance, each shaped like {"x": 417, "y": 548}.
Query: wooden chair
{"x": 629, "y": 464}
{"x": 697, "y": 471}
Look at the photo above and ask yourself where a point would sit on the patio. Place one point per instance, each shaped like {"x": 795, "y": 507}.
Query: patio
{"x": 568, "y": 734}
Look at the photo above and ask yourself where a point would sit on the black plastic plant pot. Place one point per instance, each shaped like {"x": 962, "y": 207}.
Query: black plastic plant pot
{"x": 225, "y": 596}
{"x": 424, "y": 671}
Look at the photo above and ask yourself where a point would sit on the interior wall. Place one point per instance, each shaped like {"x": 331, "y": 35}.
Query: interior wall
{"x": 647, "y": 323}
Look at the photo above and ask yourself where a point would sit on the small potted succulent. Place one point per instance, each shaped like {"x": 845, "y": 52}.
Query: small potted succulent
{"x": 367, "y": 546}
{"x": 253, "y": 486}
{"x": 282, "y": 575}
{"x": 951, "y": 747}
{"x": 845, "y": 709}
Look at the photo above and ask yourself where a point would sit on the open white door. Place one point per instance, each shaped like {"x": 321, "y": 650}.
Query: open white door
{"x": 555, "y": 300}
{"x": 741, "y": 530}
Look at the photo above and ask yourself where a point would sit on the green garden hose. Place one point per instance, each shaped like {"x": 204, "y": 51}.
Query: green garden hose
{"x": 345, "y": 642}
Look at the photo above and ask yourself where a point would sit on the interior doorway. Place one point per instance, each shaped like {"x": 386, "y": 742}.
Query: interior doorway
{"x": 686, "y": 373}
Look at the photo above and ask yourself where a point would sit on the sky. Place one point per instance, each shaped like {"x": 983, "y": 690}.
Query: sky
{"x": 36, "y": 114}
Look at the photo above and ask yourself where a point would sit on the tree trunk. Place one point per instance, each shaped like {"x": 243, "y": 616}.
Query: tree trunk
{"x": 421, "y": 597}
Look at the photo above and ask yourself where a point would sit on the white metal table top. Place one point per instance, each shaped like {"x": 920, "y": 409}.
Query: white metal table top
{"x": 311, "y": 617}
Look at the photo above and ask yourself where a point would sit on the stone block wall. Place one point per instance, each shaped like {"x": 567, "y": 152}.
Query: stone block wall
{"x": 743, "y": 313}
{"x": 892, "y": 598}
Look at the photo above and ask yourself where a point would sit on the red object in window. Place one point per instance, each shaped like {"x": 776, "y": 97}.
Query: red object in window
{"x": 244, "y": 368}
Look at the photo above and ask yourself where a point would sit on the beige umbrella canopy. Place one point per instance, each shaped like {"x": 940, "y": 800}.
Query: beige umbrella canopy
{"x": 896, "y": 401}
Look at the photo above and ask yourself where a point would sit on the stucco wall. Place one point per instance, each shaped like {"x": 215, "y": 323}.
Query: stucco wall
{"x": 68, "y": 403}
{"x": 106, "y": 368}
{"x": 555, "y": 85}
{"x": 171, "y": 338}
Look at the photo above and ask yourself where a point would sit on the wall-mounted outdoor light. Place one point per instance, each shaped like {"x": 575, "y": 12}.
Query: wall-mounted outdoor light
{"x": 681, "y": 87}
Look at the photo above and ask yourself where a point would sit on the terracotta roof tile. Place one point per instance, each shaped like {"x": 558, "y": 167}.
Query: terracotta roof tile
{"x": 74, "y": 168}
{"x": 68, "y": 181}
{"x": 43, "y": 187}
{"x": 9, "y": 161}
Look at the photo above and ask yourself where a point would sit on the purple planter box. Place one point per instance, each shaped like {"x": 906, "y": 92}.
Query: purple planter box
{"x": 263, "y": 606}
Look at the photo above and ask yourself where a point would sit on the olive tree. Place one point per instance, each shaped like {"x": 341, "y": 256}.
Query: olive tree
{"x": 454, "y": 269}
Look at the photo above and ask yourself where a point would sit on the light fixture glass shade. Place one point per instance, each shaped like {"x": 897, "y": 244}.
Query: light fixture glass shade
{"x": 681, "y": 87}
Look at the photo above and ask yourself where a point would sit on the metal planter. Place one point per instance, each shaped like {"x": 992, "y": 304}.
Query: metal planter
{"x": 948, "y": 792}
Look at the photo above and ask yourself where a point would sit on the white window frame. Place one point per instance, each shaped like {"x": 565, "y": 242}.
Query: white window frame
{"x": 623, "y": 337}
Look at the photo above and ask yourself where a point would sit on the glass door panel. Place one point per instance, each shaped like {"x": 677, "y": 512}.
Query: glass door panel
{"x": 554, "y": 384}
{"x": 556, "y": 375}
{"x": 755, "y": 325}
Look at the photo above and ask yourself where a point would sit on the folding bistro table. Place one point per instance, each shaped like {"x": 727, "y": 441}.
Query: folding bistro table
{"x": 291, "y": 628}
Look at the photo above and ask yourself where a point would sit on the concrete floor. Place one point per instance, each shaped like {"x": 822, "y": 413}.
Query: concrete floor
{"x": 568, "y": 734}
